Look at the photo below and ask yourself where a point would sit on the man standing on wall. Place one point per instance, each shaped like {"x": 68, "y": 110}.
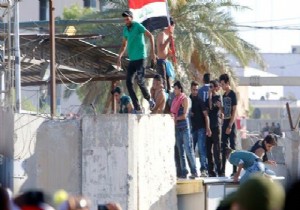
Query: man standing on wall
{"x": 203, "y": 91}
{"x": 134, "y": 40}
{"x": 213, "y": 142}
{"x": 229, "y": 113}
{"x": 179, "y": 110}
{"x": 200, "y": 126}
{"x": 163, "y": 42}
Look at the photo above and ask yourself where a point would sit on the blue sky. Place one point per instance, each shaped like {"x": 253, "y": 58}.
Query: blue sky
{"x": 267, "y": 13}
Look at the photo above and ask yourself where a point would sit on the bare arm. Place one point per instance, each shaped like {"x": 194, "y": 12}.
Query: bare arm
{"x": 122, "y": 51}
{"x": 159, "y": 103}
{"x": 238, "y": 172}
{"x": 129, "y": 107}
{"x": 185, "y": 105}
{"x": 208, "y": 131}
{"x": 260, "y": 152}
{"x": 151, "y": 38}
{"x": 233, "y": 114}
{"x": 232, "y": 119}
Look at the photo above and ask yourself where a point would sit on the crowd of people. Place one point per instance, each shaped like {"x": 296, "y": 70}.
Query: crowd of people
{"x": 273, "y": 129}
{"x": 39, "y": 200}
{"x": 205, "y": 119}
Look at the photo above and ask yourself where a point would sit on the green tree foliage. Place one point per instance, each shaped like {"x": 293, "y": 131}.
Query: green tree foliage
{"x": 28, "y": 106}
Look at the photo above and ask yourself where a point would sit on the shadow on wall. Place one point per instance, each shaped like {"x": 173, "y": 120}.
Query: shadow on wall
{"x": 31, "y": 176}
{"x": 164, "y": 201}
{"x": 54, "y": 160}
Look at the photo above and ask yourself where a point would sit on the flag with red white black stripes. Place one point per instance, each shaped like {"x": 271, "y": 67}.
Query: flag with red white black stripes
{"x": 152, "y": 14}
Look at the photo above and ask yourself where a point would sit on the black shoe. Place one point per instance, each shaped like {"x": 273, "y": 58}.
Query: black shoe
{"x": 193, "y": 176}
{"x": 212, "y": 174}
{"x": 204, "y": 173}
{"x": 182, "y": 177}
{"x": 232, "y": 175}
{"x": 221, "y": 175}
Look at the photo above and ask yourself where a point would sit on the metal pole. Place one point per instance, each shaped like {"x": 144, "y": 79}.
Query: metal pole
{"x": 52, "y": 60}
{"x": 17, "y": 58}
{"x": 9, "y": 73}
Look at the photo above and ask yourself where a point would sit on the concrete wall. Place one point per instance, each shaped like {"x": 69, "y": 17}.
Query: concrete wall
{"x": 124, "y": 158}
{"x": 6, "y": 146}
{"x": 130, "y": 159}
{"x": 47, "y": 154}
{"x": 25, "y": 130}
{"x": 292, "y": 156}
{"x": 6, "y": 131}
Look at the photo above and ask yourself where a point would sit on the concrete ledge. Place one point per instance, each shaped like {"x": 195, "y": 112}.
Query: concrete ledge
{"x": 189, "y": 186}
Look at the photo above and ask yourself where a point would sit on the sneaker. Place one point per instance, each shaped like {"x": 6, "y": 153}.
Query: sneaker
{"x": 204, "y": 174}
{"x": 212, "y": 174}
{"x": 151, "y": 104}
{"x": 182, "y": 177}
{"x": 232, "y": 175}
{"x": 221, "y": 175}
{"x": 137, "y": 112}
{"x": 193, "y": 176}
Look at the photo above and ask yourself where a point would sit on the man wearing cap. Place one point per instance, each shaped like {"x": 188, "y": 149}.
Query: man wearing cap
{"x": 134, "y": 40}
{"x": 123, "y": 100}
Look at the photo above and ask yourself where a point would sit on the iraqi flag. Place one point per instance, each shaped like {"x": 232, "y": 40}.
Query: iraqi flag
{"x": 152, "y": 14}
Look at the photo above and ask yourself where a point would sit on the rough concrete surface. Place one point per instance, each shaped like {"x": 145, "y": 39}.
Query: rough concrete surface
{"x": 124, "y": 158}
{"x": 130, "y": 159}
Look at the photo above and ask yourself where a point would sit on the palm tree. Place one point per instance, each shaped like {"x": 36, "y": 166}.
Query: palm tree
{"x": 205, "y": 34}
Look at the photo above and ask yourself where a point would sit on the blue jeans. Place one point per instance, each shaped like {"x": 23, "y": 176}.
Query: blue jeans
{"x": 199, "y": 137}
{"x": 257, "y": 168}
{"x": 184, "y": 144}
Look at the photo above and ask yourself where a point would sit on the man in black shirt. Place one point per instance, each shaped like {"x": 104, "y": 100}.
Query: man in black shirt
{"x": 229, "y": 112}
{"x": 200, "y": 126}
{"x": 213, "y": 143}
{"x": 262, "y": 147}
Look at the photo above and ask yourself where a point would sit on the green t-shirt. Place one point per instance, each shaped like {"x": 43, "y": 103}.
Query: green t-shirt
{"x": 135, "y": 37}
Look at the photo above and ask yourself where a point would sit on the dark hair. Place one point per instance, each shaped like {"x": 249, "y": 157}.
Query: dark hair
{"x": 30, "y": 198}
{"x": 271, "y": 139}
{"x": 158, "y": 77}
{"x": 194, "y": 83}
{"x": 292, "y": 196}
{"x": 116, "y": 90}
{"x": 228, "y": 150}
{"x": 127, "y": 13}
{"x": 215, "y": 83}
{"x": 4, "y": 199}
{"x": 179, "y": 85}
{"x": 224, "y": 77}
{"x": 102, "y": 207}
{"x": 206, "y": 78}
{"x": 172, "y": 22}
